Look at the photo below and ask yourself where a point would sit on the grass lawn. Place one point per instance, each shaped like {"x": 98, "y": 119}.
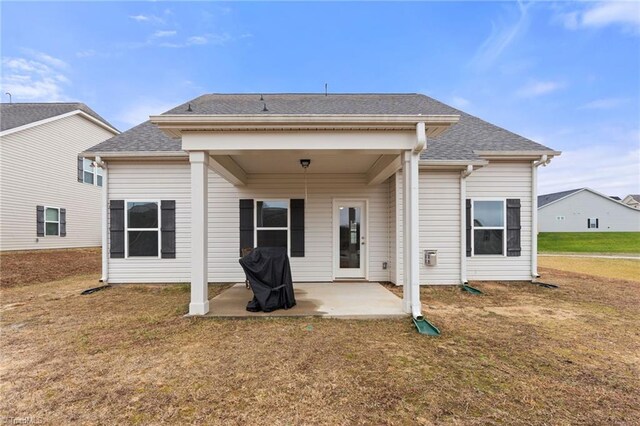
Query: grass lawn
{"x": 589, "y": 242}
{"x": 521, "y": 354}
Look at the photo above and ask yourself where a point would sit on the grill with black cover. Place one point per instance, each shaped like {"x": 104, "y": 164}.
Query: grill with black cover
{"x": 269, "y": 274}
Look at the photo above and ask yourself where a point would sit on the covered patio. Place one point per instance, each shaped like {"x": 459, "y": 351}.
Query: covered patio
{"x": 344, "y": 300}
{"x": 372, "y": 148}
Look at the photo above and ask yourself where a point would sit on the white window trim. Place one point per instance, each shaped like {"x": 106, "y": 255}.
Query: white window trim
{"x": 94, "y": 171}
{"x": 593, "y": 220}
{"x": 51, "y": 221}
{"x": 127, "y": 229}
{"x": 503, "y": 227}
{"x": 280, "y": 228}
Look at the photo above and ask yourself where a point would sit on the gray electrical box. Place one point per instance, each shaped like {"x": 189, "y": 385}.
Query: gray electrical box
{"x": 431, "y": 257}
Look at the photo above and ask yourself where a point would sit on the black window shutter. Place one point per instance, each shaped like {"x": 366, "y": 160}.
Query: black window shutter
{"x": 597, "y": 223}
{"x": 63, "y": 222}
{"x": 80, "y": 169}
{"x": 513, "y": 227}
{"x": 246, "y": 224}
{"x": 468, "y": 222}
{"x": 168, "y": 229}
{"x": 297, "y": 228}
{"x": 40, "y": 221}
{"x": 116, "y": 228}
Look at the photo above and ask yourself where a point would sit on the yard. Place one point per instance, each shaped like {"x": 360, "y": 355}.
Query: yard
{"x": 589, "y": 242}
{"x": 521, "y": 354}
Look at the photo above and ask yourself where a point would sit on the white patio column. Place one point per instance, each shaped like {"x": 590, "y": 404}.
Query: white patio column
{"x": 199, "y": 233}
{"x": 411, "y": 240}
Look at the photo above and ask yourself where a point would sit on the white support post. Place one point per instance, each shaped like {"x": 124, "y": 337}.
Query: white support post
{"x": 199, "y": 233}
{"x": 105, "y": 224}
{"x": 463, "y": 228}
{"x": 411, "y": 228}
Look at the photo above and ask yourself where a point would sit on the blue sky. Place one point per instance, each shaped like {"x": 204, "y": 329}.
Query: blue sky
{"x": 565, "y": 74}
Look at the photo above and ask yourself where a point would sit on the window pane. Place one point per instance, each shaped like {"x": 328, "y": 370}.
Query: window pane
{"x": 87, "y": 165}
{"x": 99, "y": 171}
{"x": 272, "y": 238}
{"x": 142, "y": 215}
{"x": 99, "y": 180}
{"x": 143, "y": 243}
{"x": 488, "y": 213}
{"x": 52, "y": 229}
{"x": 272, "y": 214}
{"x": 52, "y": 215}
{"x": 487, "y": 241}
{"x": 88, "y": 177}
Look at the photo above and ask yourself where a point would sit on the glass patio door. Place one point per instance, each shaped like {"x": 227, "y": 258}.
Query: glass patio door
{"x": 350, "y": 244}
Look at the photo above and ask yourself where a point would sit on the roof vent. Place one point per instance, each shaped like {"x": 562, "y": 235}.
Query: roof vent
{"x": 189, "y": 108}
{"x": 261, "y": 97}
{"x": 264, "y": 108}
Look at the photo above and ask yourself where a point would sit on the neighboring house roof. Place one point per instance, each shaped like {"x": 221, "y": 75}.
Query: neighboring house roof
{"x": 545, "y": 200}
{"x": 635, "y": 197}
{"x": 458, "y": 143}
{"x": 15, "y": 115}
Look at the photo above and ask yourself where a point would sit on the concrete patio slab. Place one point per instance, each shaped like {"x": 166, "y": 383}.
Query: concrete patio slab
{"x": 347, "y": 300}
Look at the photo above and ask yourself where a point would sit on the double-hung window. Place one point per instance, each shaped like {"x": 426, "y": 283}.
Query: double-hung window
{"x": 51, "y": 221}
{"x": 272, "y": 223}
{"x": 91, "y": 174}
{"x": 592, "y": 223}
{"x": 488, "y": 227}
{"x": 142, "y": 229}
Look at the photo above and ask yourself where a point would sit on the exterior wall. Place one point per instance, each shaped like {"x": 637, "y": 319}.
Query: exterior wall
{"x": 171, "y": 180}
{"x": 503, "y": 180}
{"x": 38, "y": 166}
{"x": 440, "y": 225}
{"x": 577, "y": 208}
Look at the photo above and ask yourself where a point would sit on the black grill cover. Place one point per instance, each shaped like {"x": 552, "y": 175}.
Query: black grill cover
{"x": 269, "y": 274}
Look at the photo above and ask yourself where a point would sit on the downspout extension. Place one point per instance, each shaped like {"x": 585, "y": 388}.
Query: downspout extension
{"x": 543, "y": 161}
{"x": 464, "y": 174}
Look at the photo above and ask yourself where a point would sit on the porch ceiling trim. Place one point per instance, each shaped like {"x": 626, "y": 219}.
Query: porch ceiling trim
{"x": 175, "y": 124}
{"x": 516, "y": 155}
{"x": 384, "y": 167}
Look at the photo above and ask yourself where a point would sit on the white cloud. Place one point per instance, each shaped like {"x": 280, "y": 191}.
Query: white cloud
{"x": 460, "y": 102}
{"x": 625, "y": 14}
{"x": 166, "y": 33}
{"x": 197, "y": 40}
{"x": 139, "y": 18}
{"x": 140, "y": 111}
{"x": 605, "y": 103}
{"x": 538, "y": 88}
{"x": 608, "y": 169}
{"x": 37, "y": 77}
{"x": 501, "y": 37}
{"x": 85, "y": 53}
{"x": 200, "y": 40}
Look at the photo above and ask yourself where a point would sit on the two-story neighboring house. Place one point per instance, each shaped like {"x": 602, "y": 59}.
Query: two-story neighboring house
{"x": 49, "y": 197}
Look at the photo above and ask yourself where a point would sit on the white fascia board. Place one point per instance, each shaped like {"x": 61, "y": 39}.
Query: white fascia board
{"x": 59, "y": 117}
{"x": 516, "y": 155}
{"x": 175, "y": 124}
{"x": 451, "y": 164}
{"x": 136, "y": 155}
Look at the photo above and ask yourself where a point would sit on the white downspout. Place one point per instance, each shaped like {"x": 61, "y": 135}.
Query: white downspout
{"x": 534, "y": 213}
{"x": 105, "y": 218}
{"x": 463, "y": 225}
{"x": 414, "y": 206}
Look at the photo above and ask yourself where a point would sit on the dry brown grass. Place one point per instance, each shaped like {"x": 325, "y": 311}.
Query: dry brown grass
{"x": 624, "y": 269}
{"x": 37, "y": 266}
{"x": 521, "y": 354}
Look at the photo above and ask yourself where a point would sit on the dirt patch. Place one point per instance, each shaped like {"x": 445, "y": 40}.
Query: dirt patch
{"x": 38, "y": 266}
{"x": 624, "y": 269}
{"x": 531, "y": 311}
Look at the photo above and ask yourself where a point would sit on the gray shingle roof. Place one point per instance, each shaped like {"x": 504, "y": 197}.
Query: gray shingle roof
{"x": 634, "y": 196}
{"x": 549, "y": 198}
{"x": 18, "y": 114}
{"x": 457, "y": 143}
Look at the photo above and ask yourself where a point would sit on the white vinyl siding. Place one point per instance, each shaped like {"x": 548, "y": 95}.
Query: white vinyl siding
{"x": 171, "y": 180}
{"x": 440, "y": 226}
{"x": 154, "y": 181}
{"x": 58, "y": 144}
{"x": 503, "y": 180}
